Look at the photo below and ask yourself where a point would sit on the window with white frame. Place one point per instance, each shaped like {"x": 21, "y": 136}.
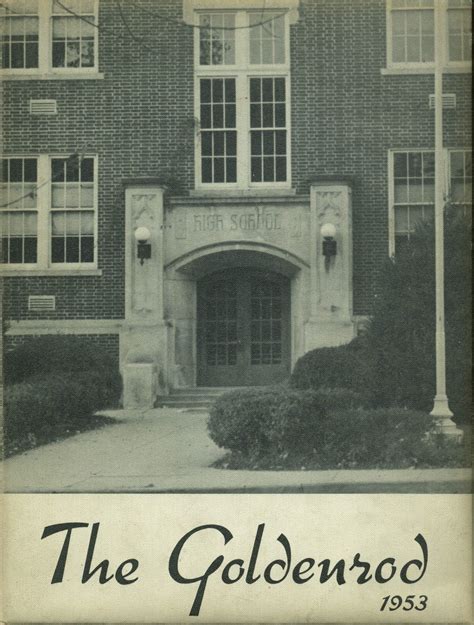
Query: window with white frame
{"x": 460, "y": 179}
{"x": 19, "y": 212}
{"x": 411, "y": 32}
{"x": 413, "y": 192}
{"x": 412, "y": 188}
{"x": 459, "y": 24}
{"x": 49, "y": 35}
{"x": 48, "y": 216}
{"x": 242, "y": 84}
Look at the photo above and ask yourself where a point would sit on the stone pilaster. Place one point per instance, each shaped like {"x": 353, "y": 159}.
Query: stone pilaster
{"x": 143, "y": 343}
{"x": 330, "y": 322}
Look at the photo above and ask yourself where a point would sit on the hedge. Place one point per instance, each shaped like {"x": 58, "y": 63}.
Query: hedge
{"x": 54, "y": 385}
{"x": 55, "y": 355}
{"x": 281, "y": 429}
{"x": 258, "y": 421}
{"x": 43, "y": 409}
{"x": 347, "y": 366}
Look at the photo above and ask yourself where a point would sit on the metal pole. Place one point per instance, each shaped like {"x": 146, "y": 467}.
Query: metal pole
{"x": 441, "y": 410}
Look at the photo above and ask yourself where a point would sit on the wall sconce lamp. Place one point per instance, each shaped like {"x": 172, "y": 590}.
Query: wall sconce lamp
{"x": 142, "y": 236}
{"x": 328, "y": 232}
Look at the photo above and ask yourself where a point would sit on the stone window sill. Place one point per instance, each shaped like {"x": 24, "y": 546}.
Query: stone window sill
{"x": 266, "y": 192}
{"x": 26, "y": 273}
{"x": 58, "y": 76}
{"x": 406, "y": 71}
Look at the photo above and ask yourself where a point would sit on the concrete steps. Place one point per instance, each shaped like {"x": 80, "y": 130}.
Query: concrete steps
{"x": 197, "y": 398}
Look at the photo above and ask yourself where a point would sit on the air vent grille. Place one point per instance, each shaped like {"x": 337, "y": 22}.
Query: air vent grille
{"x": 449, "y": 101}
{"x": 43, "y": 107}
{"x": 41, "y": 302}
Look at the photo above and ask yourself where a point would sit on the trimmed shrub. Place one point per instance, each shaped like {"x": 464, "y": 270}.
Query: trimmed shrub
{"x": 42, "y": 409}
{"x": 294, "y": 431}
{"x": 257, "y": 421}
{"x": 344, "y": 367}
{"x": 383, "y": 437}
{"x": 395, "y": 363}
{"x": 58, "y": 355}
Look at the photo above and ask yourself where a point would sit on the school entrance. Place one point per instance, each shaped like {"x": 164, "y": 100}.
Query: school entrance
{"x": 243, "y": 328}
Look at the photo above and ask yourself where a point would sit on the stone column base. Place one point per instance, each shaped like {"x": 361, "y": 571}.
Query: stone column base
{"x": 139, "y": 385}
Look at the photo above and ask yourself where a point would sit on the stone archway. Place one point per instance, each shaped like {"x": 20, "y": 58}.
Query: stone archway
{"x": 251, "y": 339}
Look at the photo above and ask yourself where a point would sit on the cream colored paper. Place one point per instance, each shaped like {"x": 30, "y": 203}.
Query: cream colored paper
{"x": 147, "y": 527}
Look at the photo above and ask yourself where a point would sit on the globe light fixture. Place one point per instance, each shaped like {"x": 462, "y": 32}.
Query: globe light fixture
{"x": 142, "y": 236}
{"x": 328, "y": 232}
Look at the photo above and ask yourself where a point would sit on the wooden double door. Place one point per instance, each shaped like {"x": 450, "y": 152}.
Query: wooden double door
{"x": 243, "y": 328}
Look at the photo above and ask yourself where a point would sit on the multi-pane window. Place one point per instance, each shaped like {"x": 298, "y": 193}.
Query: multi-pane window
{"x": 242, "y": 101}
{"x": 411, "y": 31}
{"x": 18, "y": 213}
{"x": 217, "y": 39}
{"x": 413, "y": 192}
{"x": 221, "y": 323}
{"x": 73, "y": 38}
{"x": 268, "y": 133}
{"x": 72, "y": 214}
{"x": 266, "y": 324}
{"x": 218, "y": 133}
{"x": 460, "y": 178}
{"x": 48, "y": 212}
{"x": 48, "y": 35}
{"x": 267, "y": 38}
{"x": 20, "y": 34}
{"x": 459, "y": 30}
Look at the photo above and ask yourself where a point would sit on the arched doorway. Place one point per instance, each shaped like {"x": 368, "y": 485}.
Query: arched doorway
{"x": 243, "y": 328}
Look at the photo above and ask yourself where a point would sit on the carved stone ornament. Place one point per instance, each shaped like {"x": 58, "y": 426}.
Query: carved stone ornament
{"x": 142, "y": 209}
{"x": 328, "y": 206}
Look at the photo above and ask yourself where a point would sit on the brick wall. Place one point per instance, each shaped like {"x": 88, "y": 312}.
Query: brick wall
{"x": 139, "y": 121}
{"x": 347, "y": 115}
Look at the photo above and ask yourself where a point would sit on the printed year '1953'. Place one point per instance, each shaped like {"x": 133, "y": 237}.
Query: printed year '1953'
{"x": 408, "y": 603}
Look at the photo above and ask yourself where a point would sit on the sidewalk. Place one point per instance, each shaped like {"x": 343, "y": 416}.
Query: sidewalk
{"x": 165, "y": 450}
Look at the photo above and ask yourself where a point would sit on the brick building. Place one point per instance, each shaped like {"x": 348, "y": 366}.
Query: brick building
{"x": 268, "y": 158}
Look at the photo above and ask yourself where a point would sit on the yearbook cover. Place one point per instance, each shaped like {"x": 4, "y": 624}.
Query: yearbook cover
{"x": 235, "y": 244}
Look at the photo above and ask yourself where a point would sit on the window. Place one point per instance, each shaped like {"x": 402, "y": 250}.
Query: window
{"x": 49, "y": 35}
{"x": 19, "y": 215}
{"x": 411, "y": 32}
{"x": 218, "y": 134}
{"x": 413, "y": 192}
{"x": 242, "y": 83}
{"x": 412, "y": 188}
{"x": 73, "y": 37}
{"x": 459, "y": 31}
{"x": 20, "y": 35}
{"x": 48, "y": 218}
{"x": 460, "y": 179}
{"x": 267, "y": 134}
{"x": 267, "y": 38}
{"x": 72, "y": 226}
{"x": 217, "y": 40}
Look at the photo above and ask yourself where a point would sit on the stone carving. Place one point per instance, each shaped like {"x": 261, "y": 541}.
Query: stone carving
{"x": 329, "y": 207}
{"x": 141, "y": 207}
{"x": 180, "y": 231}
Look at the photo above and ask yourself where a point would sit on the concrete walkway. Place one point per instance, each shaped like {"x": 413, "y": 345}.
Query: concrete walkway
{"x": 166, "y": 450}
